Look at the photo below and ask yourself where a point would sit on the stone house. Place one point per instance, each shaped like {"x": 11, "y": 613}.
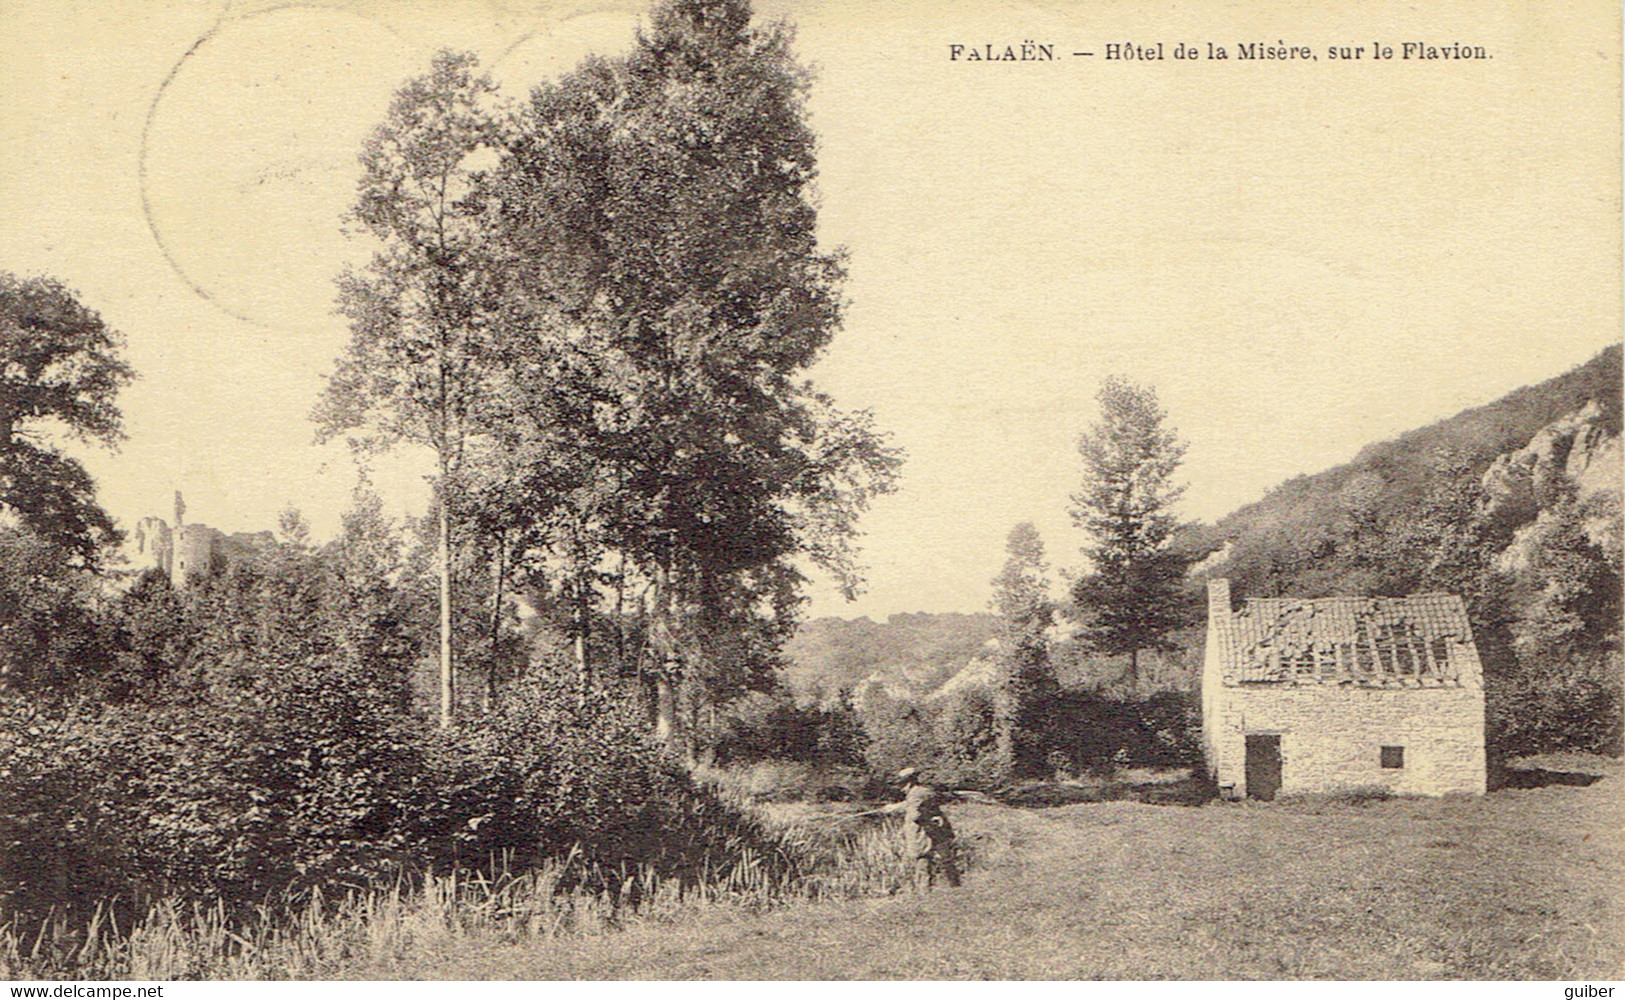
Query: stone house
{"x": 1339, "y": 693}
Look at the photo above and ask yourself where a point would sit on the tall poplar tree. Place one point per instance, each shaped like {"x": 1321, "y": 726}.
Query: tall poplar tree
{"x": 1130, "y": 598}
{"x": 425, "y": 312}
{"x": 664, "y": 206}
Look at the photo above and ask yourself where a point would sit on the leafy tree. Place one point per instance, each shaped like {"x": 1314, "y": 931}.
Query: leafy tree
{"x": 60, "y": 371}
{"x": 150, "y": 634}
{"x": 423, "y": 313}
{"x": 50, "y": 638}
{"x": 764, "y": 726}
{"x": 1131, "y": 596}
{"x": 1568, "y": 590}
{"x": 1021, "y": 599}
{"x": 900, "y": 733}
{"x": 665, "y": 202}
{"x": 374, "y": 621}
{"x": 966, "y": 730}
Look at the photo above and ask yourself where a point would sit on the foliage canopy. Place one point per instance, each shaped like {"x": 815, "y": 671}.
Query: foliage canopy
{"x": 60, "y": 373}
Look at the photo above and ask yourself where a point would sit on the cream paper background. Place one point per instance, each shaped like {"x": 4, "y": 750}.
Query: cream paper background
{"x": 1303, "y": 258}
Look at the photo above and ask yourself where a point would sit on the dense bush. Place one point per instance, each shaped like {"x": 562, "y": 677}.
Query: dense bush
{"x": 251, "y": 741}
{"x": 308, "y": 778}
{"x": 50, "y": 637}
{"x": 1080, "y": 731}
{"x": 1560, "y": 704}
{"x": 1171, "y": 726}
{"x": 1162, "y": 730}
{"x": 901, "y": 734}
{"x": 761, "y": 727}
{"x": 62, "y": 839}
{"x": 563, "y": 774}
{"x": 253, "y": 737}
{"x": 952, "y": 740}
{"x": 294, "y": 779}
{"x": 969, "y": 754}
{"x": 298, "y": 779}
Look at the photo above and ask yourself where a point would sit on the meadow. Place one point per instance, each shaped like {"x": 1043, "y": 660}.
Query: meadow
{"x": 1520, "y": 884}
{"x": 1524, "y": 883}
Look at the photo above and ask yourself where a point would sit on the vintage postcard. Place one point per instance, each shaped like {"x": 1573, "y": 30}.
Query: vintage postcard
{"x": 752, "y": 489}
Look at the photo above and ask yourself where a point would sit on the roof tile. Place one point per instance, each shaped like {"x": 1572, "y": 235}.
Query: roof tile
{"x": 1421, "y": 640}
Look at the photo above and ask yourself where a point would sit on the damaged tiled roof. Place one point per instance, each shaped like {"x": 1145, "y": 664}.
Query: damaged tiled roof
{"x": 1418, "y": 641}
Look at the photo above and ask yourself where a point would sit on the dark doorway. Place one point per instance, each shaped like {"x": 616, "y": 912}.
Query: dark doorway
{"x": 1263, "y": 767}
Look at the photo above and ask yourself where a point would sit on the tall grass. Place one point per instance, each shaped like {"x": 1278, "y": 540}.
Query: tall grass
{"x": 377, "y": 930}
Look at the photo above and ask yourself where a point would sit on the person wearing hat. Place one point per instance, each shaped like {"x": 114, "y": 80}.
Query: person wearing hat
{"x": 928, "y": 837}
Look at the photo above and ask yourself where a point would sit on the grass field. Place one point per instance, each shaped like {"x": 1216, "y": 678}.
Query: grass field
{"x": 1524, "y": 883}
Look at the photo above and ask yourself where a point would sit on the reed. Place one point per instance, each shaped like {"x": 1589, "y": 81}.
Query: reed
{"x": 379, "y": 928}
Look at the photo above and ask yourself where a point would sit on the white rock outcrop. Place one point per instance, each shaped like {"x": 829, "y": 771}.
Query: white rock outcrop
{"x": 1573, "y": 453}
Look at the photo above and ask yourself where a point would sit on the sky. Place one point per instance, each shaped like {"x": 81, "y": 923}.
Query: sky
{"x": 1302, "y": 257}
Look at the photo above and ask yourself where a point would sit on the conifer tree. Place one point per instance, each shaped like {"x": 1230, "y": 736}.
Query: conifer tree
{"x": 1130, "y": 598}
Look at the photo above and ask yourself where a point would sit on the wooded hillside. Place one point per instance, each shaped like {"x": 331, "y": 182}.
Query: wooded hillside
{"x": 912, "y": 652}
{"x": 1288, "y": 542}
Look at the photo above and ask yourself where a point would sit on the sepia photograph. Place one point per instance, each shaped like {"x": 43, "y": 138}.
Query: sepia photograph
{"x": 739, "y": 490}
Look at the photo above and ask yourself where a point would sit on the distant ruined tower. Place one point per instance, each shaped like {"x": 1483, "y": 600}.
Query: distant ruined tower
{"x": 194, "y": 548}
{"x": 151, "y": 545}
{"x": 183, "y": 553}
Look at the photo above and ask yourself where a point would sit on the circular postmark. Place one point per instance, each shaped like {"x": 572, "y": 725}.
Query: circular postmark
{"x": 247, "y": 158}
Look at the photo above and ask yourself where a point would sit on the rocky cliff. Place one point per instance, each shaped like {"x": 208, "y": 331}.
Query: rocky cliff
{"x": 1573, "y": 466}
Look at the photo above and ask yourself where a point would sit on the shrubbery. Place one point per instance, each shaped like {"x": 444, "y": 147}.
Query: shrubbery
{"x": 551, "y": 774}
{"x": 763, "y": 727}
{"x": 309, "y": 781}
{"x": 954, "y": 739}
{"x": 1563, "y": 704}
{"x": 296, "y": 781}
{"x": 50, "y": 637}
{"x": 61, "y": 838}
{"x": 253, "y": 738}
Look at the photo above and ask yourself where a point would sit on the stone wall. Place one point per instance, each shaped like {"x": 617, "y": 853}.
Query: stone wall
{"x": 1332, "y": 735}
{"x": 1218, "y": 612}
{"x": 194, "y": 553}
{"x": 150, "y": 545}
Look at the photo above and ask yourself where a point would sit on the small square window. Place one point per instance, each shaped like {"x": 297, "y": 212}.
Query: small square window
{"x": 1393, "y": 756}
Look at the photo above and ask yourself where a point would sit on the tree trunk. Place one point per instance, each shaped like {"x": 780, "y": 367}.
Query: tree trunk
{"x": 583, "y": 668}
{"x": 620, "y": 616}
{"x": 496, "y": 624}
{"x": 1008, "y": 719}
{"x": 446, "y": 677}
{"x": 1134, "y": 669}
{"x": 666, "y": 727}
